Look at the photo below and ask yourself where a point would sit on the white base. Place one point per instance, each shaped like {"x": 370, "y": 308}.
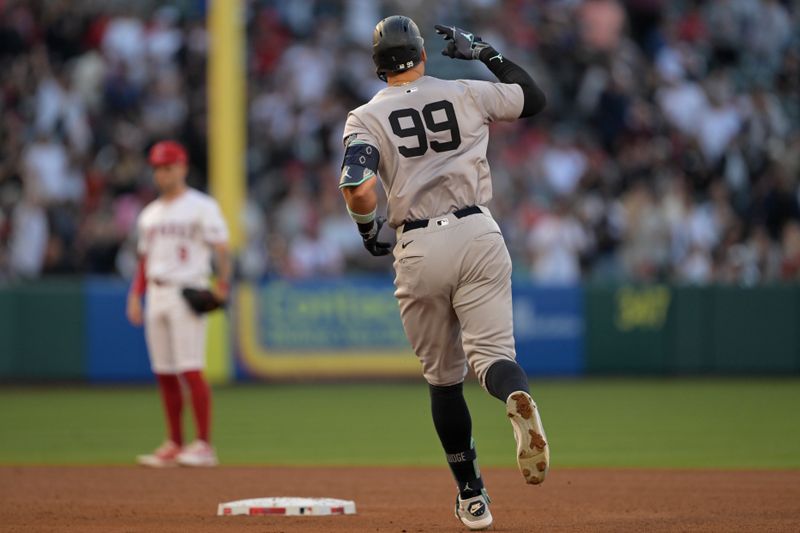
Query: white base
{"x": 287, "y": 506}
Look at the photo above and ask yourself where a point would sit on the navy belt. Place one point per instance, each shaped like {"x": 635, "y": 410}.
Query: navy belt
{"x": 423, "y": 223}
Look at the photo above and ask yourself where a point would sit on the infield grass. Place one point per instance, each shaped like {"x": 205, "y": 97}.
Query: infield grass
{"x": 680, "y": 423}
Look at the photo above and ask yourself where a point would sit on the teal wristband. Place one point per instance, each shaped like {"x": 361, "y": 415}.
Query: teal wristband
{"x": 362, "y": 219}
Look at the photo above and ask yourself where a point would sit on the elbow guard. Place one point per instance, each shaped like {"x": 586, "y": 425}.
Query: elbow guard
{"x": 535, "y": 101}
{"x": 360, "y": 164}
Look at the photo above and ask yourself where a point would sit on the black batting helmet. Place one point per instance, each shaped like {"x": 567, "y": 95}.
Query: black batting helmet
{"x": 396, "y": 45}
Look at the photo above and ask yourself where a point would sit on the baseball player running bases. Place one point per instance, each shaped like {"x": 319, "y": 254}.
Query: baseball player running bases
{"x": 178, "y": 234}
{"x": 425, "y": 139}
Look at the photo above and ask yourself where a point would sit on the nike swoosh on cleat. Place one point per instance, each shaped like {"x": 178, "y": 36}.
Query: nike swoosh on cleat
{"x": 475, "y": 508}
{"x": 403, "y": 246}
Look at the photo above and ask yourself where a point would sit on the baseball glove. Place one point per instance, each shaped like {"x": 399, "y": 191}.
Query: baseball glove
{"x": 202, "y": 300}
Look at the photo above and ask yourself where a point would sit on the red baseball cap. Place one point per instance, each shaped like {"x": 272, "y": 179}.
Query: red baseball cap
{"x": 167, "y": 153}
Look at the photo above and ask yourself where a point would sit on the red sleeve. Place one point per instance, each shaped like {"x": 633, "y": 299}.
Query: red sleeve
{"x": 139, "y": 283}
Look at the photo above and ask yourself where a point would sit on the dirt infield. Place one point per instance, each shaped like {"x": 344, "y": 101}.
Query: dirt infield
{"x": 394, "y": 500}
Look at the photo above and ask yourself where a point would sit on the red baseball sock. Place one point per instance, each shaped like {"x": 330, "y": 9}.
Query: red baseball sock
{"x": 201, "y": 402}
{"x": 173, "y": 404}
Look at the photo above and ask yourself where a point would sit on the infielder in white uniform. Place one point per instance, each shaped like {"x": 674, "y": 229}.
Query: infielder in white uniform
{"x": 178, "y": 234}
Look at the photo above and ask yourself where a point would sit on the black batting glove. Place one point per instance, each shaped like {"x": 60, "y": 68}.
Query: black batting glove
{"x": 369, "y": 232}
{"x": 461, "y": 44}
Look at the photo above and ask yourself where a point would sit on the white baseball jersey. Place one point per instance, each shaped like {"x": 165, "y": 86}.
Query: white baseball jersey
{"x": 176, "y": 237}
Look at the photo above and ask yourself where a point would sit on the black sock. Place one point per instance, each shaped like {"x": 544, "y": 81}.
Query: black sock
{"x": 454, "y": 427}
{"x": 504, "y": 377}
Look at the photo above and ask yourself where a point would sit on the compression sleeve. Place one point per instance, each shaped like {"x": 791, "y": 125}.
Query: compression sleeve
{"x": 509, "y": 72}
{"x": 139, "y": 283}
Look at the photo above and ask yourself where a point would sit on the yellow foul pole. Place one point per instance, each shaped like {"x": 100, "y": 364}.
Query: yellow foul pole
{"x": 226, "y": 148}
{"x": 226, "y": 95}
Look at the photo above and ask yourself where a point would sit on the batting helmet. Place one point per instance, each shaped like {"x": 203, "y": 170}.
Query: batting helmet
{"x": 167, "y": 153}
{"x": 396, "y": 45}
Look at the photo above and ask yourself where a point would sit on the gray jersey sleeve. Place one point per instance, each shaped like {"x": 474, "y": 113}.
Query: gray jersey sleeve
{"x": 497, "y": 101}
{"x": 354, "y": 130}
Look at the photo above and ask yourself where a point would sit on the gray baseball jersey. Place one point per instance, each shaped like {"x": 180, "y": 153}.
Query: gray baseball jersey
{"x": 432, "y": 136}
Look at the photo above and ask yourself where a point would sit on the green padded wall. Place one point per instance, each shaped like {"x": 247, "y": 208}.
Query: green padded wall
{"x": 44, "y": 331}
{"x": 756, "y": 330}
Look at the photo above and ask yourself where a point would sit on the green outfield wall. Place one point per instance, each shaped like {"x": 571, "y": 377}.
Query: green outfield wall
{"x": 76, "y": 330}
{"x": 658, "y": 329}
{"x": 43, "y": 331}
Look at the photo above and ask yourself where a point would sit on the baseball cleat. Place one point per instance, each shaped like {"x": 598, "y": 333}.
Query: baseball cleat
{"x": 164, "y": 456}
{"x": 198, "y": 453}
{"x": 474, "y": 512}
{"x": 533, "y": 453}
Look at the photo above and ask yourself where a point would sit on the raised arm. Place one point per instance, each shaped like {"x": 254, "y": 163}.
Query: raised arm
{"x": 462, "y": 44}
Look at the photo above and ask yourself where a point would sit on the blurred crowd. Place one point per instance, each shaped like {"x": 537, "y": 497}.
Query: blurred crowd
{"x": 669, "y": 151}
